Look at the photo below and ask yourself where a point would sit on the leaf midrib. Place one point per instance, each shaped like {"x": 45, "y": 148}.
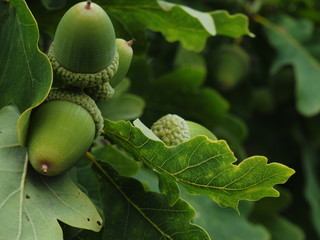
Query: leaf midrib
{"x": 23, "y": 180}
{"x": 129, "y": 200}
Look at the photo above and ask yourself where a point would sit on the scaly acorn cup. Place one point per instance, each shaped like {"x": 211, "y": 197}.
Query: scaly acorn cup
{"x": 125, "y": 51}
{"x": 61, "y": 130}
{"x": 100, "y": 93}
{"x": 173, "y": 130}
{"x": 83, "y": 53}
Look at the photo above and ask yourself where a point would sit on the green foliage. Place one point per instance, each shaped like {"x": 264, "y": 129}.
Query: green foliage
{"x": 289, "y": 43}
{"x": 117, "y": 158}
{"x": 203, "y": 166}
{"x": 130, "y": 185}
{"x": 175, "y": 22}
{"x": 310, "y": 166}
{"x": 31, "y": 204}
{"x": 213, "y": 218}
{"x": 218, "y": 218}
{"x": 8, "y": 120}
{"x": 123, "y": 105}
{"x": 147, "y": 213}
{"x": 267, "y": 211}
{"x": 26, "y": 74}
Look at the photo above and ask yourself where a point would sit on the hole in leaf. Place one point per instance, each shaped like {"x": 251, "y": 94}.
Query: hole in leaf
{"x": 99, "y": 223}
{"x": 88, "y": 219}
{"x": 27, "y": 196}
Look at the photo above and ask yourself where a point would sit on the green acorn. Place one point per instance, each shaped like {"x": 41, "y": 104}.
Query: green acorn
{"x": 125, "y": 51}
{"x": 61, "y": 130}
{"x": 262, "y": 100}
{"x": 231, "y": 65}
{"x": 100, "y": 93}
{"x": 173, "y": 130}
{"x": 83, "y": 52}
{"x": 53, "y": 4}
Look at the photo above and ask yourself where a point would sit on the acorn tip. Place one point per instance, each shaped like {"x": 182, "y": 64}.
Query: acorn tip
{"x": 131, "y": 42}
{"x": 44, "y": 168}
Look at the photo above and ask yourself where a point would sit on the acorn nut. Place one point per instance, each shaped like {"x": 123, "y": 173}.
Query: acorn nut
{"x": 61, "y": 130}
{"x": 53, "y": 4}
{"x": 231, "y": 65}
{"x": 83, "y": 53}
{"x": 173, "y": 130}
{"x": 125, "y": 51}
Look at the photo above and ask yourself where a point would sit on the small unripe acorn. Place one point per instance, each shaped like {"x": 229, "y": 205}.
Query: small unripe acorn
{"x": 262, "y": 100}
{"x": 173, "y": 130}
{"x": 83, "y": 52}
{"x": 53, "y": 4}
{"x": 125, "y": 51}
{"x": 100, "y": 93}
{"x": 231, "y": 65}
{"x": 61, "y": 130}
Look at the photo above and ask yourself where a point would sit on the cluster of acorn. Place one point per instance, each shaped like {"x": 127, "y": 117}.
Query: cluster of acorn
{"x": 88, "y": 62}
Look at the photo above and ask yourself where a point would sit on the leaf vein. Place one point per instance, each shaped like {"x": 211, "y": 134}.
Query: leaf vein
{"x": 181, "y": 149}
{"x": 243, "y": 175}
{"x": 60, "y": 199}
{"x": 198, "y": 164}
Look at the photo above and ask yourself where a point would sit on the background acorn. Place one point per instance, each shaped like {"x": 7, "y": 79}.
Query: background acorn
{"x": 83, "y": 52}
{"x": 105, "y": 92}
{"x": 53, "y": 4}
{"x": 61, "y": 130}
{"x": 230, "y": 65}
{"x": 125, "y": 51}
{"x": 173, "y": 130}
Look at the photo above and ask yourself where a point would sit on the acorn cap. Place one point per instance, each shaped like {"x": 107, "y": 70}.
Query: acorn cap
{"x": 82, "y": 99}
{"x": 83, "y": 80}
{"x": 100, "y": 93}
{"x": 173, "y": 130}
{"x": 84, "y": 43}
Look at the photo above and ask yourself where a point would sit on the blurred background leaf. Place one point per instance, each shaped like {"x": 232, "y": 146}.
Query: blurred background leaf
{"x": 284, "y": 37}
